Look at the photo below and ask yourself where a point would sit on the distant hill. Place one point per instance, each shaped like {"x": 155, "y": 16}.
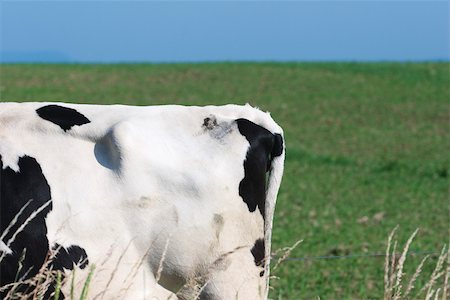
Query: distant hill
{"x": 34, "y": 57}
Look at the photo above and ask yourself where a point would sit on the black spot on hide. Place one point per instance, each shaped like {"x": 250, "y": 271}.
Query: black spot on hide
{"x": 30, "y": 246}
{"x": 258, "y": 252}
{"x": 64, "y": 117}
{"x": 67, "y": 258}
{"x": 16, "y": 190}
{"x": 278, "y": 145}
{"x": 263, "y": 147}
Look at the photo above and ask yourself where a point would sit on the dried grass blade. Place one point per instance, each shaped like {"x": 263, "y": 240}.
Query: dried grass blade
{"x": 401, "y": 263}
{"x": 436, "y": 272}
{"x": 387, "y": 274}
{"x": 414, "y": 277}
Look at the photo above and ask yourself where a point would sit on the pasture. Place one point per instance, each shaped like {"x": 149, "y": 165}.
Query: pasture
{"x": 367, "y": 149}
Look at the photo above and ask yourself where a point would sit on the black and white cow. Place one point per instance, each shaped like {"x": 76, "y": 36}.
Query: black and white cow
{"x": 155, "y": 197}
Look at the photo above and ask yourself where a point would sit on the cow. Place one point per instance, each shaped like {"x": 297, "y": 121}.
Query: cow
{"x": 167, "y": 202}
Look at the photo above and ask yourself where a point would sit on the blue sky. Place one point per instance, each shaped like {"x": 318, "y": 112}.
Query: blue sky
{"x": 182, "y": 31}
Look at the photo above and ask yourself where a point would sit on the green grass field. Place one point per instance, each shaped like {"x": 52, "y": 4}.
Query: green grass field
{"x": 367, "y": 149}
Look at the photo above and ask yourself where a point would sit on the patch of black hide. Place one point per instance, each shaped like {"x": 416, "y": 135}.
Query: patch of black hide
{"x": 263, "y": 147}
{"x": 68, "y": 258}
{"x": 258, "y": 252}
{"x": 64, "y": 117}
{"x": 30, "y": 247}
{"x": 31, "y": 244}
{"x": 278, "y": 145}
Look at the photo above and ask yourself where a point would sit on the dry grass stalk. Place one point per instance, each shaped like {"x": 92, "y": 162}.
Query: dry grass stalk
{"x": 393, "y": 274}
{"x": 436, "y": 296}
{"x": 14, "y": 220}
{"x": 387, "y": 271}
{"x": 198, "y": 282}
{"x": 161, "y": 261}
{"x": 401, "y": 263}
{"x": 436, "y": 274}
{"x": 38, "y": 284}
{"x": 22, "y": 227}
{"x": 447, "y": 275}
{"x": 193, "y": 288}
{"x": 287, "y": 251}
{"x": 134, "y": 271}
{"x": 41, "y": 282}
{"x": 36, "y": 287}
{"x": 113, "y": 273}
{"x": 390, "y": 269}
{"x": 414, "y": 277}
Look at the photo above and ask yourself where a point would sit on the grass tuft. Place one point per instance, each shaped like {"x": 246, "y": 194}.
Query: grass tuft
{"x": 394, "y": 274}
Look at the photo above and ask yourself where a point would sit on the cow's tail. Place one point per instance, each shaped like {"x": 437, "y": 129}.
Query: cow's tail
{"x": 274, "y": 181}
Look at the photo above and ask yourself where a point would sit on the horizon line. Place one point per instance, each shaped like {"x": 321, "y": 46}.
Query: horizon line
{"x": 429, "y": 60}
